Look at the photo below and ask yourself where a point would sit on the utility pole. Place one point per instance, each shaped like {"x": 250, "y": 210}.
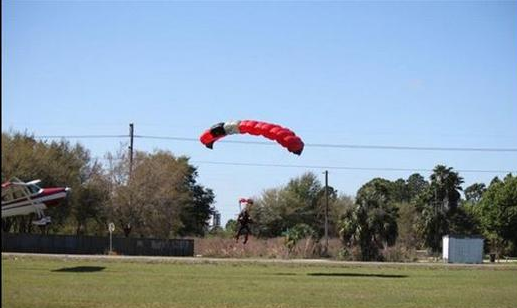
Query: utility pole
{"x": 128, "y": 225}
{"x": 130, "y": 150}
{"x": 326, "y": 211}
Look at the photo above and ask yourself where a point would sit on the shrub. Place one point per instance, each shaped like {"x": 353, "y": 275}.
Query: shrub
{"x": 399, "y": 253}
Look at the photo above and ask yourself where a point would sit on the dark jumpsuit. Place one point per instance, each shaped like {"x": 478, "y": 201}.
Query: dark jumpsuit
{"x": 243, "y": 220}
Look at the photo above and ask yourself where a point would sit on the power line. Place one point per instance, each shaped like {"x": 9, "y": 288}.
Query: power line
{"x": 183, "y": 139}
{"x": 391, "y": 147}
{"x": 315, "y": 145}
{"x": 324, "y": 167}
{"x": 79, "y": 136}
{"x": 344, "y": 167}
{"x": 347, "y": 146}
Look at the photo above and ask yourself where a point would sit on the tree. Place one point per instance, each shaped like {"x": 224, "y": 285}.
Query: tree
{"x": 445, "y": 186}
{"x": 416, "y": 184}
{"x": 269, "y": 213}
{"x": 399, "y": 191}
{"x": 305, "y": 194}
{"x": 401, "y": 194}
{"x": 231, "y": 226}
{"x": 162, "y": 198}
{"x": 279, "y": 209}
{"x": 373, "y": 222}
{"x": 470, "y": 205}
{"x": 408, "y": 217}
{"x": 498, "y": 211}
{"x": 474, "y": 192}
{"x": 338, "y": 207}
{"x": 295, "y": 234}
{"x": 439, "y": 207}
{"x": 198, "y": 209}
{"x": 301, "y": 201}
{"x": 93, "y": 196}
{"x": 56, "y": 163}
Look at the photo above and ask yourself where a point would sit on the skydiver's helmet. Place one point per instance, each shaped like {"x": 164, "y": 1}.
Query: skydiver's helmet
{"x": 246, "y": 202}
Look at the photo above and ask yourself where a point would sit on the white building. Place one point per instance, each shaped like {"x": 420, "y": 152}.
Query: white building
{"x": 462, "y": 249}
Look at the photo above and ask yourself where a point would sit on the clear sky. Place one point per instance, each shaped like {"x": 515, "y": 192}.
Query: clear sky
{"x": 411, "y": 73}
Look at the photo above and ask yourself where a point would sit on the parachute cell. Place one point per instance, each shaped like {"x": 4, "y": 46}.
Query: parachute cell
{"x": 282, "y": 135}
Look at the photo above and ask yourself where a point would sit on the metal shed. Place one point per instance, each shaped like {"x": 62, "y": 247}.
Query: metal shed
{"x": 462, "y": 249}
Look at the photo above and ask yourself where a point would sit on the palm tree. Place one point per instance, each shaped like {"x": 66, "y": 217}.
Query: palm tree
{"x": 373, "y": 223}
{"x": 437, "y": 203}
{"x": 445, "y": 185}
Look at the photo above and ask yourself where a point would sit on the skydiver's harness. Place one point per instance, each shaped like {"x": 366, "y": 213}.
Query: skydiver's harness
{"x": 244, "y": 220}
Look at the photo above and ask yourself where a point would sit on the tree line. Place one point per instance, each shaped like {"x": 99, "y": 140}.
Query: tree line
{"x": 414, "y": 213}
{"x": 162, "y": 198}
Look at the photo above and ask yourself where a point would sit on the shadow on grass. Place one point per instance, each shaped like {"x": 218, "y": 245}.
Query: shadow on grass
{"x": 357, "y": 275}
{"x": 80, "y": 269}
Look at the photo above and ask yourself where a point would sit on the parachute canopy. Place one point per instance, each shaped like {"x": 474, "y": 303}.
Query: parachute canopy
{"x": 282, "y": 135}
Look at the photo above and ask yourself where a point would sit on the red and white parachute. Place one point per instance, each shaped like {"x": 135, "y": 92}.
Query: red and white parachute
{"x": 282, "y": 135}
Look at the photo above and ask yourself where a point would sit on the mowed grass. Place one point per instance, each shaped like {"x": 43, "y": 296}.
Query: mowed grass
{"x": 46, "y": 282}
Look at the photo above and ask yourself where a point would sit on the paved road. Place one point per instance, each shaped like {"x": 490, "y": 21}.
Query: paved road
{"x": 305, "y": 262}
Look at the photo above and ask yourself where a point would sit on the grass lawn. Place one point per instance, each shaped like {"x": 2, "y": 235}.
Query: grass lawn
{"x": 63, "y": 282}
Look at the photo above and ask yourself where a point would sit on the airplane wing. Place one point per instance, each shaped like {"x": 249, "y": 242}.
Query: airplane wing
{"x": 16, "y": 199}
{"x": 23, "y": 198}
{"x": 15, "y": 189}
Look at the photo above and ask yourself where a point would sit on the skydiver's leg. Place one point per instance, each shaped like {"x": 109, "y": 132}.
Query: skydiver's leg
{"x": 246, "y": 234}
{"x": 239, "y": 232}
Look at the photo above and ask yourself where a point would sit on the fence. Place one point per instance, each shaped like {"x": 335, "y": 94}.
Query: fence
{"x": 71, "y": 244}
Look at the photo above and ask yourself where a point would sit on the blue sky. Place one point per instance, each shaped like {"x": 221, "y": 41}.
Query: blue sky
{"x": 407, "y": 73}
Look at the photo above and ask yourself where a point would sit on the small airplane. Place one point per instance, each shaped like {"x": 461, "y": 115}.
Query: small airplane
{"x": 24, "y": 198}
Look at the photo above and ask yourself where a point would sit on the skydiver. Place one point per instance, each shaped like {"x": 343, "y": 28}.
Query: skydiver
{"x": 243, "y": 220}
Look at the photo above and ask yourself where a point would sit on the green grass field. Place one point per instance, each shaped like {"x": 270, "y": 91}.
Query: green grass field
{"x": 63, "y": 282}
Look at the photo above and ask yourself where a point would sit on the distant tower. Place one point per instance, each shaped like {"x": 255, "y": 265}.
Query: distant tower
{"x": 216, "y": 220}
